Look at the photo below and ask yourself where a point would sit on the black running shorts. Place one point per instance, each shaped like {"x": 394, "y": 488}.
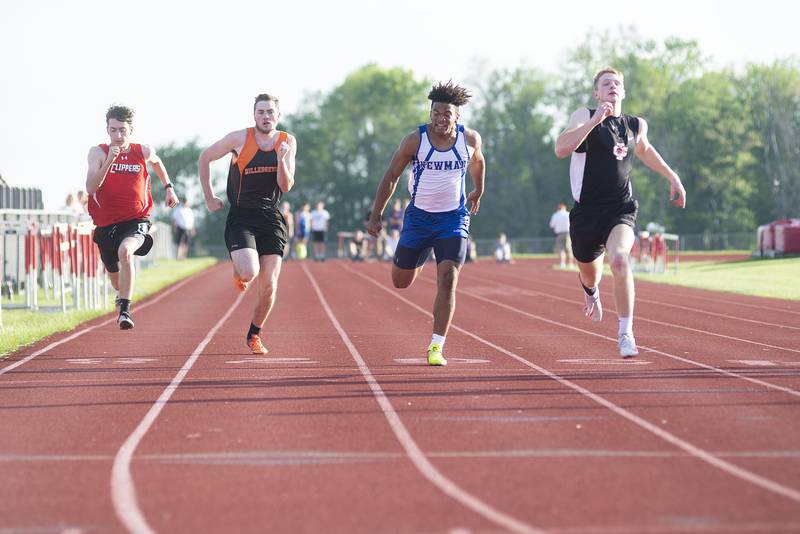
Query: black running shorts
{"x": 590, "y": 226}
{"x": 448, "y": 248}
{"x": 109, "y": 238}
{"x": 261, "y": 230}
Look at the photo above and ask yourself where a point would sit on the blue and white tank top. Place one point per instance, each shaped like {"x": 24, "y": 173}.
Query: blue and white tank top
{"x": 437, "y": 182}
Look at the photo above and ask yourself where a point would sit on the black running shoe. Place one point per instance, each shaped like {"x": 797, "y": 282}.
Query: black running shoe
{"x": 125, "y": 321}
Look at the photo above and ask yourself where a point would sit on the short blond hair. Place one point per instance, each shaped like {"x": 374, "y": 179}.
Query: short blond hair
{"x": 608, "y": 70}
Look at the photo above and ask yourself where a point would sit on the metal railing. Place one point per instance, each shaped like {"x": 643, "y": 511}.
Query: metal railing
{"x": 20, "y": 198}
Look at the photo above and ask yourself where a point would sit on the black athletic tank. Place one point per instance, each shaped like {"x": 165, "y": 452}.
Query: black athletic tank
{"x": 600, "y": 167}
{"x": 253, "y": 178}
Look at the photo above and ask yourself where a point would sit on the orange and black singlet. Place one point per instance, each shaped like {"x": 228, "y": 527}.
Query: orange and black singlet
{"x": 253, "y": 178}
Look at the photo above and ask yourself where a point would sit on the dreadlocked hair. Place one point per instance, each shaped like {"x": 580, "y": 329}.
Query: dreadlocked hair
{"x": 449, "y": 93}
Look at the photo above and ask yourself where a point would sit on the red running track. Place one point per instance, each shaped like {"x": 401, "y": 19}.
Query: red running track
{"x": 535, "y": 426}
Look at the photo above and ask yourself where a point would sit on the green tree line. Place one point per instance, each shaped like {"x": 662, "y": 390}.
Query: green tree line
{"x": 732, "y": 136}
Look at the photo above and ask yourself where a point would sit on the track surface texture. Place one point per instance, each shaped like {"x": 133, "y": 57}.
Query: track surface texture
{"x": 536, "y": 424}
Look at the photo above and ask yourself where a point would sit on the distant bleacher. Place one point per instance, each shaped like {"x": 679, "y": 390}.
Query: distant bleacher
{"x": 20, "y": 198}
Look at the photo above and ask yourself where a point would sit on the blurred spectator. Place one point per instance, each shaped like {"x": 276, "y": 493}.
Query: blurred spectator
{"x": 358, "y": 246}
{"x": 302, "y": 229}
{"x": 71, "y": 204}
{"x": 396, "y": 215}
{"x": 502, "y": 250}
{"x": 183, "y": 229}
{"x": 472, "y": 250}
{"x": 390, "y": 244}
{"x": 288, "y": 217}
{"x": 375, "y": 245}
{"x": 319, "y": 228}
{"x": 83, "y": 202}
{"x": 559, "y": 222}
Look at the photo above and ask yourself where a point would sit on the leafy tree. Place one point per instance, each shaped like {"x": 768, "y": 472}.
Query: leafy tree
{"x": 181, "y": 164}
{"x": 773, "y": 94}
{"x": 347, "y": 137}
{"x": 524, "y": 180}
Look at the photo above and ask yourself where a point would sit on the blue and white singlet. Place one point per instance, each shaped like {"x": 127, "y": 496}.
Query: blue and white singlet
{"x": 438, "y": 176}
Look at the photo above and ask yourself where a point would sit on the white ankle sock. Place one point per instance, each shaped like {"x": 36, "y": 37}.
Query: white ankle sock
{"x": 626, "y": 325}
{"x": 436, "y": 338}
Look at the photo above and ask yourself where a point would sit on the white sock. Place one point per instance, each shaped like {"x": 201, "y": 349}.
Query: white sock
{"x": 626, "y": 325}
{"x": 436, "y": 338}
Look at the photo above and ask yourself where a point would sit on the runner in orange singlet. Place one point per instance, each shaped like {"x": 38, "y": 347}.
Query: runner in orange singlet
{"x": 262, "y": 169}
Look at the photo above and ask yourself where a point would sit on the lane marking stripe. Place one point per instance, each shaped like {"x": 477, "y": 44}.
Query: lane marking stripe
{"x": 693, "y": 450}
{"x": 413, "y": 451}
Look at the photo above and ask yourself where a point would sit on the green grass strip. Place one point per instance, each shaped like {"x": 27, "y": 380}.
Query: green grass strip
{"x": 776, "y": 278}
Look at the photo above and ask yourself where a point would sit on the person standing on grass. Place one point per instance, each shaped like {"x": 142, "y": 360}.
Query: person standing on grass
{"x": 120, "y": 203}
{"x": 602, "y": 143}
{"x": 438, "y": 215}
{"x": 320, "y": 219}
{"x": 559, "y": 223}
{"x": 262, "y": 169}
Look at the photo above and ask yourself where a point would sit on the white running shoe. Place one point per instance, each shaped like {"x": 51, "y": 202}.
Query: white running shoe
{"x": 627, "y": 346}
{"x": 592, "y": 307}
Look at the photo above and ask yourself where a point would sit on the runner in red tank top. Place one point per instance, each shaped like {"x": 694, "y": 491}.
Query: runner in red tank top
{"x": 120, "y": 203}
{"x": 262, "y": 169}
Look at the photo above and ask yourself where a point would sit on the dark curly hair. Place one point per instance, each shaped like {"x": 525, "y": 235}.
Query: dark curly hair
{"x": 449, "y": 93}
{"x": 120, "y": 113}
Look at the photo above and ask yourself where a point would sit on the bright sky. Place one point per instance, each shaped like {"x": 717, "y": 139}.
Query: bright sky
{"x": 191, "y": 69}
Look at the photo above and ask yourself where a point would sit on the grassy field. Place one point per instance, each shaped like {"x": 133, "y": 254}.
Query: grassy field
{"x": 22, "y": 327}
{"x": 777, "y": 278}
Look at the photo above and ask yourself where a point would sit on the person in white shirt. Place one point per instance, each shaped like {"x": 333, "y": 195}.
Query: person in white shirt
{"x": 183, "y": 228}
{"x": 559, "y": 222}
{"x": 390, "y": 244}
{"x": 319, "y": 227}
{"x": 502, "y": 250}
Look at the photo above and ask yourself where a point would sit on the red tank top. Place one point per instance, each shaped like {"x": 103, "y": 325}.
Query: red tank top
{"x": 125, "y": 193}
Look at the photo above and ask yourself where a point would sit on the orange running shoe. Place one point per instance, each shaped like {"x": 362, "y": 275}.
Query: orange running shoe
{"x": 256, "y": 347}
{"x": 240, "y": 284}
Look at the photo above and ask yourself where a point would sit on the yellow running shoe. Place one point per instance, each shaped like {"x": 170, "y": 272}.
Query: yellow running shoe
{"x": 435, "y": 356}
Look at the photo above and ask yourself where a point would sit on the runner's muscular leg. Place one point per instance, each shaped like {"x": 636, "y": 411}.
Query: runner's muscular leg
{"x": 402, "y": 278}
{"x": 127, "y": 270}
{"x": 445, "y": 303}
{"x": 267, "y": 287}
{"x": 245, "y": 264}
{"x": 590, "y": 273}
{"x": 619, "y": 245}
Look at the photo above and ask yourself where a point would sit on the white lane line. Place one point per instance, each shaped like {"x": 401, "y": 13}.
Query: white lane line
{"x": 638, "y": 318}
{"x": 715, "y": 314}
{"x": 195, "y": 457}
{"x": 123, "y": 491}
{"x": 662, "y": 303}
{"x": 413, "y": 451}
{"x": 693, "y": 450}
{"x": 79, "y": 333}
{"x": 662, "y": 353}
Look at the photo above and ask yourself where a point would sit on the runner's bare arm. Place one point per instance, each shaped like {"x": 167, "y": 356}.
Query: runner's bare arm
{"x": 400, "y": 160}
{"x": 230, "y": 143}
{"x": 150, "y": 156}
{"x": 653, "y": 160}
{"x": 477, "y": 169}
{"x": 579, "y": 126}
{"x": 99, "y": 163}
{"x": 286, "y": 157}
